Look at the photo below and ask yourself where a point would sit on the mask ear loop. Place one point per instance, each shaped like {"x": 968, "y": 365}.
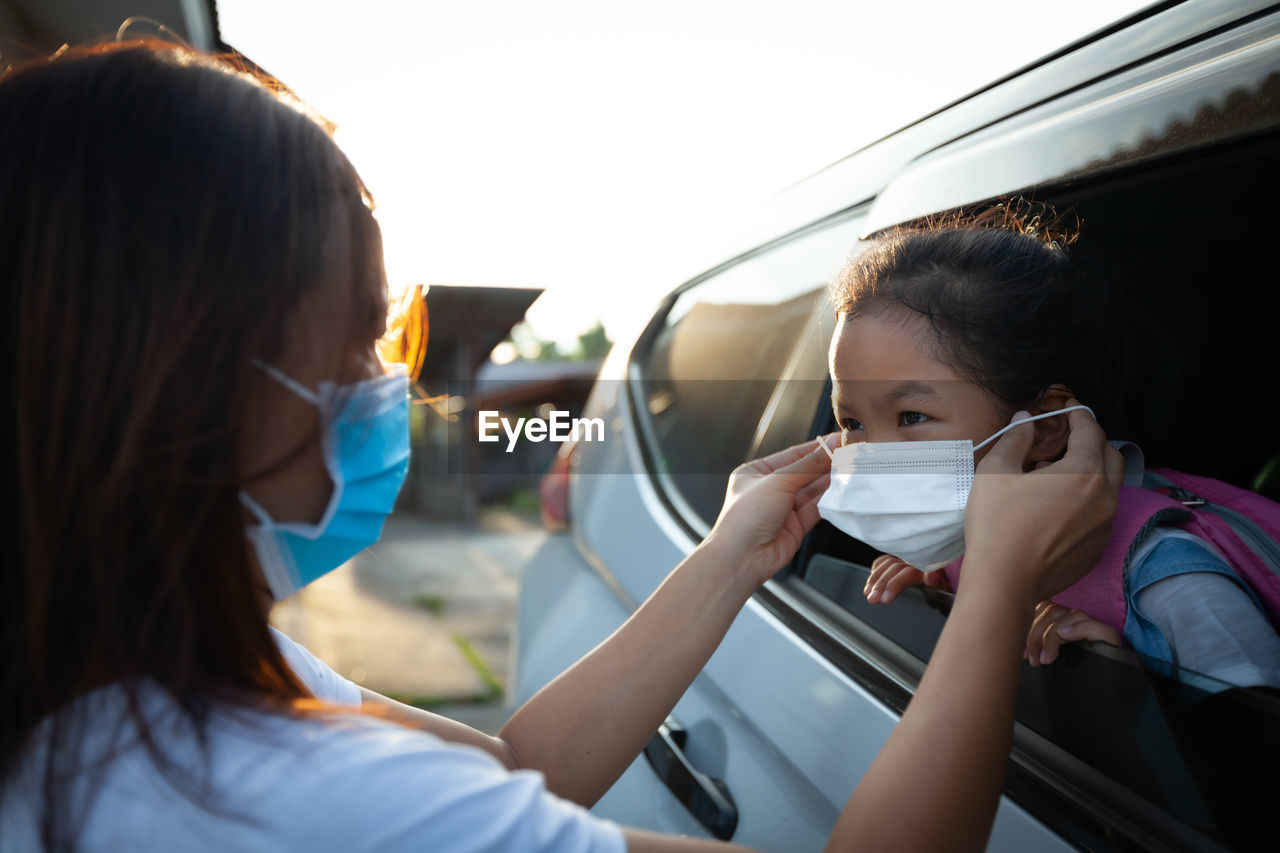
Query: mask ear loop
{"x": 264, "y": 519}
{"x": 289, "y": 382}
{"x": 1005, "y": 429}
{"x": 823, "y": 445}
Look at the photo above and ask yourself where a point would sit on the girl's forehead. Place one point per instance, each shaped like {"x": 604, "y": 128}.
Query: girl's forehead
{"x": 886, "y": 347}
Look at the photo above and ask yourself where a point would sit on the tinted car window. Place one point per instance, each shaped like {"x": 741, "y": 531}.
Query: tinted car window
{"x": 1174, "y": 739}
{"x": 1139, "y": 735}
{"x": 709, "y": 368}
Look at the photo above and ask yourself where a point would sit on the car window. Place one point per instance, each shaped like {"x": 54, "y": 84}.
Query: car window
{"x": 1173, "y": 739}
{"x": 1107, "y": 739}
{"x": 708, "y": 374}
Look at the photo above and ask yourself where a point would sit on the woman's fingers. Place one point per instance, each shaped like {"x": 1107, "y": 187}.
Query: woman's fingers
{"x": 807, "y": 502}
{"x": 813, "y": 491}
{"x": 1045, "y": 528}
{"x": 770, "y": 504}
{"x": 803, "y": 471}
{"x": 1114, "y": 461}
{"x": 796, "y": 453}
{"x": 1010, "y": 450}
{"x": 1086, "y": 442}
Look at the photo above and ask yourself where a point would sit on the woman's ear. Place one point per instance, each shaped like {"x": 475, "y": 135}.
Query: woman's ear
{"x": 1051, "y": 433}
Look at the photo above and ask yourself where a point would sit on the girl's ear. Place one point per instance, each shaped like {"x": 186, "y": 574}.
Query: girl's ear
{"x": 1051, "y": 433}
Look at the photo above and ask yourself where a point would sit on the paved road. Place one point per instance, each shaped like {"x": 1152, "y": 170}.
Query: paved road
{"x": 425, "y": 616}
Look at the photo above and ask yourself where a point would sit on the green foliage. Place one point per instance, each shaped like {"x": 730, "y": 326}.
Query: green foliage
{"x": 431, "y": 602}
{"x": 522, "y": 500}
{"x": 593, "y": 343}
{"x": 492, "y": 685}
{"x": 548, "y": 351}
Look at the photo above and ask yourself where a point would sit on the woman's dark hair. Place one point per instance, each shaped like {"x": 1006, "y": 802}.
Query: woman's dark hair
{"x": 1009, "y": 307}
{"x": 162, "y": 217}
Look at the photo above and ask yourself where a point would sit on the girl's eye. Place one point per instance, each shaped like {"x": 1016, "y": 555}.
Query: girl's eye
{"x": 847, "y": 426}
{"x": 907, "y": 419}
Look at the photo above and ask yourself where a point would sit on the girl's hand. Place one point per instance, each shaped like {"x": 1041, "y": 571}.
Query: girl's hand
{"x": 1054, "y": 625}
{"x": 769, "y": 507}
{"x": 890, "y": 576}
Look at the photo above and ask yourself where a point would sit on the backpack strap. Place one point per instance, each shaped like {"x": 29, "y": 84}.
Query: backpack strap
{"x": 1102, "y": 592}
{"x": 1250, "y": 534}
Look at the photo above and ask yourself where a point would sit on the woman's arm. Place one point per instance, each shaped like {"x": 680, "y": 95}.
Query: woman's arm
{"x": 442, "y": 727}
{"x": 936, "y": 783}
{"x": 586, "y": 727}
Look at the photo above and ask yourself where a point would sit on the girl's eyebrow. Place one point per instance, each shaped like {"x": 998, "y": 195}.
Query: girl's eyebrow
{"x": 910, "y": 388}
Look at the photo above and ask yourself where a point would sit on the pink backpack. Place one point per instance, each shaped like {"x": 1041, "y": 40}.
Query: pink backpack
{"x": 1243, "y": 525}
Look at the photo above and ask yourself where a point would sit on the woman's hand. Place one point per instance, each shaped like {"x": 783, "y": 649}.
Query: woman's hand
{"x": 588, "y": 725}
{"x": 890, "y": 576}
{"x": 1054, "y": 625}
{"x": 1041, "y": 530}
{"x": 770, "y": 505}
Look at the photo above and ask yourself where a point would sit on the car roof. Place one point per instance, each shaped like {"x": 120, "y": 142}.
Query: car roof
{"x": 1126, "y": 45}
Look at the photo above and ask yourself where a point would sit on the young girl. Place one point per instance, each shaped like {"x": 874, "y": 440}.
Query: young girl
{"x": 945, "y": 331}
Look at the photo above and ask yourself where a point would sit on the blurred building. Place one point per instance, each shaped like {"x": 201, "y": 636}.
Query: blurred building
{"x": 452, "y": 472}
{"x": 466, "y": 323}
{"x": 34, "y": 28}
{"x": 528, "y": 389}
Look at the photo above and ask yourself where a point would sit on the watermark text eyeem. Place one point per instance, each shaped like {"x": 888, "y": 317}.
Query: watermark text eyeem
{"x": 560, "y": 427}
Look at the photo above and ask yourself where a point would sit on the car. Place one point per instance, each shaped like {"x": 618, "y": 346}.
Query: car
{"x": 1162, "y": 133}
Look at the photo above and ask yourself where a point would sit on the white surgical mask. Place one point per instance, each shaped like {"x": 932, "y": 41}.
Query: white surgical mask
{"x": 907, "y": 498}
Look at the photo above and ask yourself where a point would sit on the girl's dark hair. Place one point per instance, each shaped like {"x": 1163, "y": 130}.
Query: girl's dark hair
{"x": 1009, "y": 307}
{"x": 162, "y": 216}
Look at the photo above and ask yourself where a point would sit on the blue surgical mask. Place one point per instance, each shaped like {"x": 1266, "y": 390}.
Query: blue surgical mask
{"x": 365, "y": 441}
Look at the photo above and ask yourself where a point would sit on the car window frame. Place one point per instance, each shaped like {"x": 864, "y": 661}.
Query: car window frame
{"x": 668, "y": 494}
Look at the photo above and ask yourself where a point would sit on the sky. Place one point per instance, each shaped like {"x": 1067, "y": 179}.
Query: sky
{"x": 601, "y": 150}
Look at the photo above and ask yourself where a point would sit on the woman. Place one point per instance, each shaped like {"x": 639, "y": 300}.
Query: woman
{"x": 201, "y": 424}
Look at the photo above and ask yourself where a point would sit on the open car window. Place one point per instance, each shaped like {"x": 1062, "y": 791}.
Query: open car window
{"x": 1107, "y": 739}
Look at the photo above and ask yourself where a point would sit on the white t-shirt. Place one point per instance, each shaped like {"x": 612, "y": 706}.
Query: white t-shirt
{"x": 1209, "y": 622}
{"x": 319, "y": 677}
{"x": 282, "y": 783}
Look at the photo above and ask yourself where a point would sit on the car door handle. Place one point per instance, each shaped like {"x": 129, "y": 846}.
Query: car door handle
{"x": 707, "y": 799}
